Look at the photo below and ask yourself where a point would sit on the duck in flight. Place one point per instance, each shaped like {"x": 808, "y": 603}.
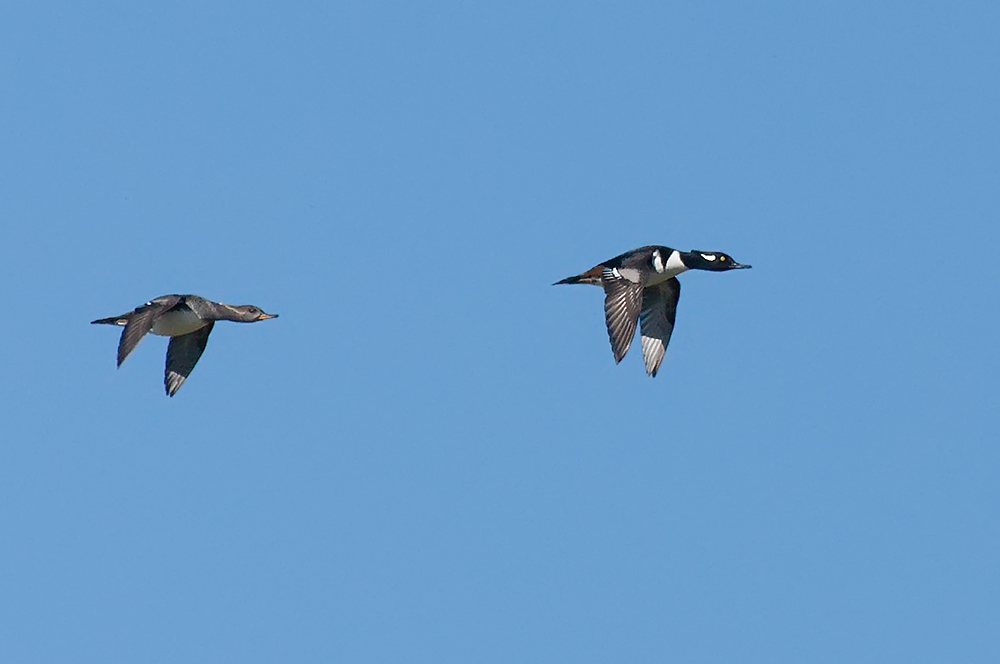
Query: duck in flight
{"x": 187, "y": 320}
{"x": 640, "y": 286}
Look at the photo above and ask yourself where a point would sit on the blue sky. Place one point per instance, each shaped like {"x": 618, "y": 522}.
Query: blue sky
{"x": 431, "y": 455}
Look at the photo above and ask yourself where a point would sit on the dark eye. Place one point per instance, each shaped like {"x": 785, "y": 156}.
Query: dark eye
{"x": 253, "y": 310}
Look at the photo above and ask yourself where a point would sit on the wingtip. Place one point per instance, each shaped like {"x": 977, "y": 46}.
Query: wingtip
{"x": 172, "y": 382}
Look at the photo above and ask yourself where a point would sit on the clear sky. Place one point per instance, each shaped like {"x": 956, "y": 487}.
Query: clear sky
{"x": 431, "y": 455}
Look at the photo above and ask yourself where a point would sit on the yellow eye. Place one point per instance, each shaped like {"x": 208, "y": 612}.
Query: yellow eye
{"x": 722, "y": 258}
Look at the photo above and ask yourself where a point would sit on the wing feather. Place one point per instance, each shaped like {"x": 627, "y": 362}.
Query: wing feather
{"x": 622, "y": 304}
{"x": 141, "y": 322}
{"x": 182, "y": 354}
{"x": 659, "y": 310}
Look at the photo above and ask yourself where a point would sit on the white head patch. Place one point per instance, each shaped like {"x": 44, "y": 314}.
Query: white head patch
{"x": 708, "y": 257}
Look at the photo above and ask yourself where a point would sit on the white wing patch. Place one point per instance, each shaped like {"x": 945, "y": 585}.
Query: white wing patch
{"x": 631, "y": 274}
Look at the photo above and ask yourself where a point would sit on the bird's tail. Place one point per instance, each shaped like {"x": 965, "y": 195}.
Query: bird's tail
{"x": 591, "y": 276}
{"x": 568, "y": 280}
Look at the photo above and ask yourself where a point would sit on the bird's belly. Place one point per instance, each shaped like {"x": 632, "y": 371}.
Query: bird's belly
{"x": 176, "y": 323}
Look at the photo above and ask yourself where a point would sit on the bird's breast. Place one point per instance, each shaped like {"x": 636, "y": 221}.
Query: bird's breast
{"x": 659, "y": 278}
{"x": 178, "y": 322}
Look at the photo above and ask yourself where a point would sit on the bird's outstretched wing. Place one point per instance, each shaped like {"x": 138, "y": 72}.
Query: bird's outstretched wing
{"x": 182, "y": 354}
{"x": 659, "y": 309}
{"x": 141, "y": 321}
{"x": 622, "y": 303}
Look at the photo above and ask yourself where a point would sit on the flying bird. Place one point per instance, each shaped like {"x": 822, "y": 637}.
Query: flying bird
{"x": 641, "y": 286}
{"x": 187, "y": 320}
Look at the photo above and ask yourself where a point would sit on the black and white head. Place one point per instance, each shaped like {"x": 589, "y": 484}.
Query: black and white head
{"x": 714, "y": 261}
{"x": 248, "y": 313}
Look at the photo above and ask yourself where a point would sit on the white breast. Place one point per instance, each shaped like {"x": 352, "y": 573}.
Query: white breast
{"x": 176, "y": 323}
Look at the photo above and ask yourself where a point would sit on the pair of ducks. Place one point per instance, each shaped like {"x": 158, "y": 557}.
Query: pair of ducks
{"x": 640, "y": 288}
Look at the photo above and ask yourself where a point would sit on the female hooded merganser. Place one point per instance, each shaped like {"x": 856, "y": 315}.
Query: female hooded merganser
{"x": 187, "y": 320}
{"x": 642, "y": 283}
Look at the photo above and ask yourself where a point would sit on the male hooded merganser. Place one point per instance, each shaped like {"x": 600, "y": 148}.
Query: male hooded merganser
{"x": 187, "y": 320}
{"x": 642, "y": 283}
